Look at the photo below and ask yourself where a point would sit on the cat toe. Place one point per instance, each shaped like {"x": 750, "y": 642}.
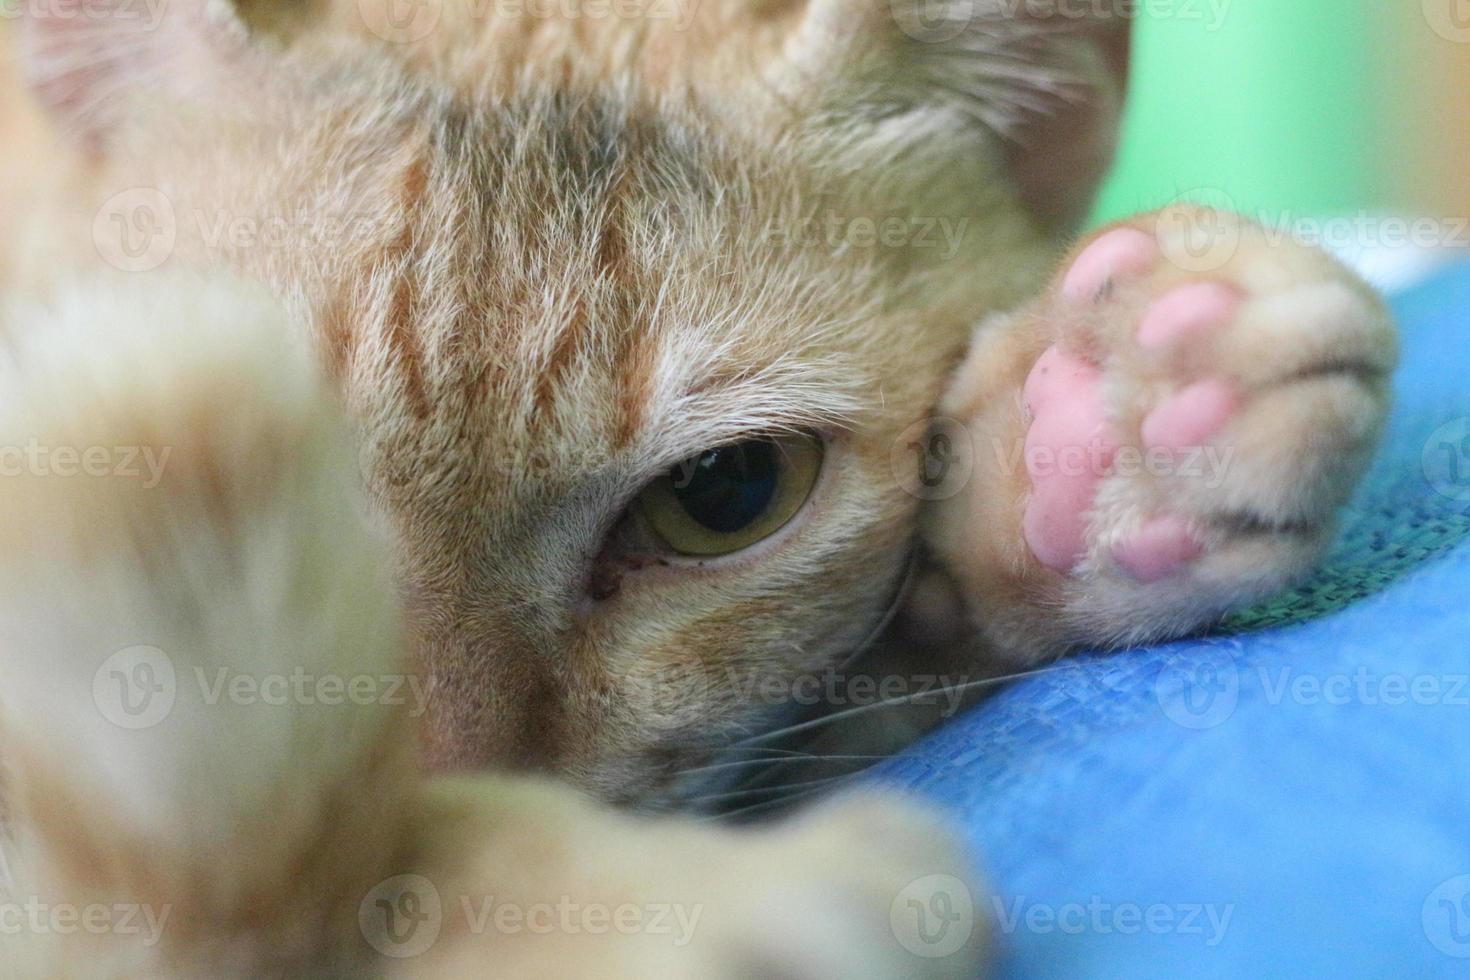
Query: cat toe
{"x": 1160, "y": 548}
{"x": 1119, "y": 253}
{"x": 1187, "y": 312}
{"x": 1191, "y": 416}
{"x": 1069, "y": 448}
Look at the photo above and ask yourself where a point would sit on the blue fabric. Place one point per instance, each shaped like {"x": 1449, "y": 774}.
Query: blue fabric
{"x": 1306, "y": 772}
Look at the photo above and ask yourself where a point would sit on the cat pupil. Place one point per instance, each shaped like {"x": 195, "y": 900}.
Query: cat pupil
{"x": 727, "y": 489}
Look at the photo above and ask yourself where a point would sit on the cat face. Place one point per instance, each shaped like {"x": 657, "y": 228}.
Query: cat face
{"x": 635, "y": 323}
{"x": 636, "y": 450}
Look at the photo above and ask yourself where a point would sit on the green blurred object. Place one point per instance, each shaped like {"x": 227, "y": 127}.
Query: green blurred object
{"x": 1267, "y": 105}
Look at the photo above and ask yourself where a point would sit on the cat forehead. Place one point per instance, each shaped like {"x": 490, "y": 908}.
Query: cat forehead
{"x": 568, "y": 265}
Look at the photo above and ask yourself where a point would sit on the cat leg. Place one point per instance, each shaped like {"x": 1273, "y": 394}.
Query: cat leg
{"x": 178, "y": 547}
{"x": 1163, "y": 436}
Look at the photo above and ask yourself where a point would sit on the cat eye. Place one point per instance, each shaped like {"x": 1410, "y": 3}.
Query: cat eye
{"x": 727, "y": 499}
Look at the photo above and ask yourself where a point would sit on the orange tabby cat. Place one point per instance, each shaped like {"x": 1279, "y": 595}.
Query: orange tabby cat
{"x": 637, "y": 319}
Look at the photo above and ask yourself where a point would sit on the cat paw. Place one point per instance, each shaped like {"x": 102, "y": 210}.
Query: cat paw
{"x": 863, "y": 886}
{"x": 1178, "y": 434}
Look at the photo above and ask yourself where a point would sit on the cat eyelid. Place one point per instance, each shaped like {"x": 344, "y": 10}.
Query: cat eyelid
{"x": 828, "y": 432}
{"x": 720, "y": 412}
{"x": 748, "y": 435}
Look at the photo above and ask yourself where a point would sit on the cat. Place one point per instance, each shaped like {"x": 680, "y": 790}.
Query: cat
{"x": 646, "y": 324}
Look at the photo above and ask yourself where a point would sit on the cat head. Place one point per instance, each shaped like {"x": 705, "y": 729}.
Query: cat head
{"x": 638, "y": 317}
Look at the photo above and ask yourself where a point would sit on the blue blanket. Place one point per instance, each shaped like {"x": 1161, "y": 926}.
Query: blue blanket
{"x": 1287, "y": 798}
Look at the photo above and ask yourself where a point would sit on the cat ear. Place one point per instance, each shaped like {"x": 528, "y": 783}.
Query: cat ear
{"x": 90, "y": 61}
{"x": 1042, "y": 81}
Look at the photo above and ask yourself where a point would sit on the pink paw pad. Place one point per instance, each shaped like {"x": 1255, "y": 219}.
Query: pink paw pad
{"x": 1191, "y": 416}
{"x": 1187, "y": 311}
{"x": 1069, "y": 448}
{"x": 1120, "y": 252}
{"x": 1158, "y": 549}
{"x": 1055, "y": 376}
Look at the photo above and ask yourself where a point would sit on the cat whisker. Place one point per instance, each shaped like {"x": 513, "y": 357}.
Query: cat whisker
{"x": 764, "y": 805}
{"x": 769, "y": 749}
{"x": 738, "y": 794}
{"x": 910, "y": 573}
{"x": 906, "y": 699}
{"x": 779, "y": 761}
